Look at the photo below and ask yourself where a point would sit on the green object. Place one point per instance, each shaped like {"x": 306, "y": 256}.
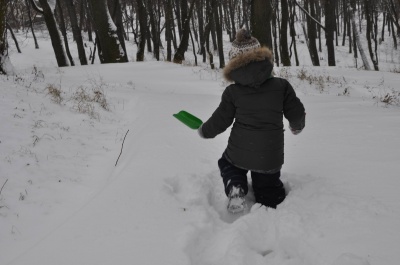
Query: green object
{"x": 188, "y": 119}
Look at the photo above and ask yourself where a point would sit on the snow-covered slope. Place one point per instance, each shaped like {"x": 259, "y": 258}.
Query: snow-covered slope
{"x": 65, "y": 200}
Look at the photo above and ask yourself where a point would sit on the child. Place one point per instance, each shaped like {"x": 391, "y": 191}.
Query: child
{"x": 257, "y": 102}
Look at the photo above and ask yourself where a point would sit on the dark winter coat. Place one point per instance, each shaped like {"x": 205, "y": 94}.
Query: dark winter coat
{"x": 256, "y": 102}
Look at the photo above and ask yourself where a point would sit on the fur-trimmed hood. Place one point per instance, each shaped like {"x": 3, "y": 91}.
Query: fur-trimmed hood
{"x": 251, "y": 68}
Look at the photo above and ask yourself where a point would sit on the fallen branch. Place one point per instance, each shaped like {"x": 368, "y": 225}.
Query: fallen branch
{"x": 121, "y": 148}
{"x": 3, "y": 186}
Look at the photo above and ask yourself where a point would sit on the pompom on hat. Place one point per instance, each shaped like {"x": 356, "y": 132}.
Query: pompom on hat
{"x": 243, "y": 43}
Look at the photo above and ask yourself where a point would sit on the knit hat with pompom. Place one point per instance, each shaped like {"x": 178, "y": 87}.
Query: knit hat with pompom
{"x": 243, "y": 43}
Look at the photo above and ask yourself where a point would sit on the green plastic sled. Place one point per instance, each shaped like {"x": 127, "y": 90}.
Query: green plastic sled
{"x": 188, "y": 119}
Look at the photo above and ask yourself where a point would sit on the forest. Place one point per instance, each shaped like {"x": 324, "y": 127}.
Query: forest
{"x": 167, "y": 28}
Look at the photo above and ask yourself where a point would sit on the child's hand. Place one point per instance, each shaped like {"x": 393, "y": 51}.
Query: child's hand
{"x": 200, "y": 132}
{"x": 295, "y": 132}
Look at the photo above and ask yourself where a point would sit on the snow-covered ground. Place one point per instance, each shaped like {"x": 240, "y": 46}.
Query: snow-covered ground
{"x": 78, "y": 188}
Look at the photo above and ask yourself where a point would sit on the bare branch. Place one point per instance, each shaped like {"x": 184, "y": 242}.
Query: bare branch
{"x": 3, "y": 186}
{"x": 121, "y": 148}
{"x": 35, "y": 6}
{"x": 308, "y": 14}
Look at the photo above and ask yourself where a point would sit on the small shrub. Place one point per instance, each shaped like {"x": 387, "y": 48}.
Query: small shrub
{"x": 391, "y": 98}
{"x": 83, "y": 103}
{"x": 346, "y": 92}
{"x": 37, "y": 74}
{"x": 85, "y": 98}
{"x": 101, "y": 99}
{"x": 302, "y": 74}
{"x": 55, "y": 93}
{"x": 86, "y": 108}
{"x": 319, "y": 81}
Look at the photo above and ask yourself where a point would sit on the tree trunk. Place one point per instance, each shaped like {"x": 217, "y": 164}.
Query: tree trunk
{"x": 383, "y": 27}
{"x": 13, "y": 37}
{"x": 194, "y": 49}
{"x": 194, "y": 28}
{"x": 106, "y": 31}
{"x": 3, "y": 37}
{"x": 312, "y": 33}
{"x": 318, "y": 10}
{"x": 394, "y": 13}
{"x": 151, "y": 9}
{"x": 283, "y": 34}
{"x": 232, "y": 17}
{"x": 55, "y": 36}
{"x": 349, "y": 31}
{"x": 117, "y": 18}
{"x": 330, "y": 30}
{"x": 245, "y": 10}
{"x": 179, "y": 56}
{"x": 358, "y": 41}
{"x": 369, "y": 32}
{"x": 218, "y": 26}
{"x": 275, "y": 25}
{"x": 393, "y": 35}
{"x": 293, "y": 33}
{"x": 168, "y": 28}
{"x": 213, "y": 33}
{"x": 200, "y": 17}
{"x": 207, "y": 31}
{"x": 76, "y": 31}
{"x": 31, "y": 23}
{"x": 142, "y": 14}
{"x": 178, "y": 17}
{"x": 261, "y": 15}
{"x": 345, "y": 22}
{"x": 148, "y": 41}
{"x": 88, "y": 26}
{"x": 64, "y": 32}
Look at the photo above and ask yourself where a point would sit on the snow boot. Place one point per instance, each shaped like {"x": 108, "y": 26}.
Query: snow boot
{"x": 236, "y": 203}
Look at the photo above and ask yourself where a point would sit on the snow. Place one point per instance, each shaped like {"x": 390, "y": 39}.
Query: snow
{"x": 65, "y": 201}
{"x": 52, "y": 4}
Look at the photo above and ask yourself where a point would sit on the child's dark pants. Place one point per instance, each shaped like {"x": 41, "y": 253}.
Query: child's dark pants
{"x": 268, "y": 188}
